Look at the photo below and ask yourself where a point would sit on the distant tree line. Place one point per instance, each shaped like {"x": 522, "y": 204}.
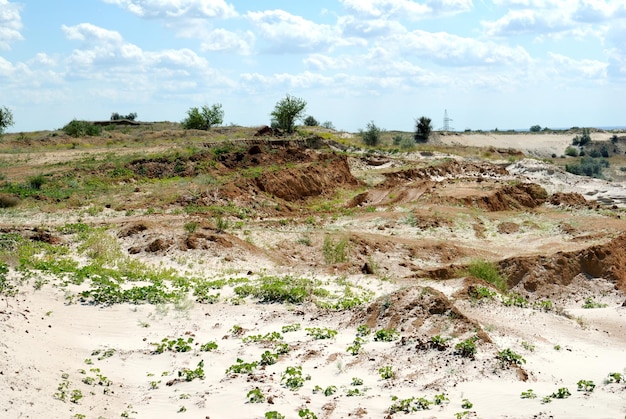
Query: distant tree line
{"x": 117, "y": 117}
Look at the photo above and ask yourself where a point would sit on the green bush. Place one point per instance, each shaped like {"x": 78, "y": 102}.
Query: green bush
{"x": 309, "y": 121}
{"x": 77, "y": 129}
{"x": 6, "y": 119}
{"x": 204, "y": 118}
{"x": 423, "y": 128}
{"x": 571, "y": 151}
{"x": 372, "y": 134}
{"x": 287, "y": 111}
{"x": 488, "y": 272}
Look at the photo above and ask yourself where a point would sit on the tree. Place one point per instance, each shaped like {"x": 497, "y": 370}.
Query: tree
{"x": 204, "y": 118}
{"x": 309, "y": 121}
{"x": 423, "y": 128}
{"x": 328, "y": 125}
{"x": 371, "y": 135}
{"x": 535, "y": 128}
{"x": 6, "y": 118}
{"x": 116, "y": 116}
{"x": 287, "y": 111}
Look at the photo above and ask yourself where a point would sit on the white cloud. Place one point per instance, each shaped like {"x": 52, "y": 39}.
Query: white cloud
{"x": 166, "y": 9}
{"x": 407, "y": 9}
{"x": 566, "y": 67}
{"x": 351, "y": 26}
{"x": 291, "y": 33}
{"x": 10, "y": 24}
{"x": 91, "y": 33}
{"x": 453, "y": 50}
{"x": 517, "y": 22}
{"x": 227, "y": 41}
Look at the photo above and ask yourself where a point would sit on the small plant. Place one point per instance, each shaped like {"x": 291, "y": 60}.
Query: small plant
{"x": 467, "y": 348}
{"x": 75, "y": 396}
{"x": 386, "y": 335}
{"x": 528, "y": 394}
{"x": 356, "y": 381}
{"x": 544, "y": 305}
{"x": 173, "y": 345}
{"x": 291, "y": 328}
{"x": 330, "y": 390}
{"x": 189, "y": 374}
{"x": 266, "y": 338}
{"x": 191, "y": 227}
{"x": 586, "y": 385}
{"x": 335, "y": 251}
{"x": 293, "y": 379}
{"x": 441, "y": 399}
{"x": 557, "y": 347}
{"x": 515, "y": 300}
{"x": 481, "y": 292}
{"x": 562, "y": 393}
{"x": 255, "y": 396}
{"x": 507, "y": 357}
{"x": 352, "y": 392}
{"x": 591, "y": 303}
{"x": 528, "y": 346}
{"x": 546, "y": 399}
{"x": 466, "y": 404}
{"x": 208, "y": 347}
{"x": 273, "y": 415}
{"x": 386, "y": 372}
{"x": 321, "y": 333}
{"x": 268, "y": 358}
{"x": 363, "y": 330}
{"x": 356, "y": 346}
{"x": 154, "y": 384}
{"x": 412, "y": 404}
{"x": 489, "y": 272}
{"x": 242, "y": 367}
{"x": 615, "y": 377}
{"x": 439, "y": 343}
{"x": 306, "y": 414}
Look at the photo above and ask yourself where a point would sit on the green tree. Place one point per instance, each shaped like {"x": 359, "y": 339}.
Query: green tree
{"x": 287, "y": 111}
{"x": 204, "y": 118}
{"x": 309, "y": 121}
{"x": 116, "y": 116}
{"x": 371, "y": 135}
{"x": 6, "y": 118}
{"x": 423, "y": 129}
{"x": 535, "y": 128}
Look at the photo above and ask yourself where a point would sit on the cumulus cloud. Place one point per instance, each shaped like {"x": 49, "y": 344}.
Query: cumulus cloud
{"x": 226, "y": 41}
{"x": 570, "y": 68}
{"x": 166, "y": 9}
{"x": 407, "y": 9}
{"x": 10, "y": 24}
{"x": 290, "y": 33}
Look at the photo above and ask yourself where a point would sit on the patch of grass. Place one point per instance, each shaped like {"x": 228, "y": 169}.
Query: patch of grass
{"x": 293, "y": 379}
{"x": 507, "y": 357}
{"x": 321, "y": 333}
{"x": 467, "y": 348}
{"x": 488, "y": 272}
{"x": 386, "y": 335}
{"x": 591, "y": 303}
{"x": 335, "y": 251}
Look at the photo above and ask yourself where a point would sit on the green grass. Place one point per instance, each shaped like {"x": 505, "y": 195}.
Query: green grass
{"x": 488, "y": 272}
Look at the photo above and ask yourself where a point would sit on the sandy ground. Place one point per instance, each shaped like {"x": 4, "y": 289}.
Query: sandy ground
{"x": 55, "y": 350}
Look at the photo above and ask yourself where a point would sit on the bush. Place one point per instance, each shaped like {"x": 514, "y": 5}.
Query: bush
{"x": 286, "y": 112}
{"x": 328, "y": 125}
{"x": 535, "y": 128}
{"x": 309, "y": 121}
{"x": 371, "y": 135}
{"x": 6, "y": 119}
{"x": 571, "y": 151}
{"x": 77, "y": 129}
{"x": 588, "y": 166}
{"x": 487, "y": 271}
{"x": 423, "y": 128}
{"x": 117, "y": 117}
{"x": 204, "y": 118}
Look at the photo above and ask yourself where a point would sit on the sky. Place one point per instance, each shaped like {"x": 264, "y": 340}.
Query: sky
{"x": 506, "y": 64}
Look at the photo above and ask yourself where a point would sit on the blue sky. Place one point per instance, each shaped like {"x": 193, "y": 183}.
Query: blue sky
{"x": 491, "y": 63}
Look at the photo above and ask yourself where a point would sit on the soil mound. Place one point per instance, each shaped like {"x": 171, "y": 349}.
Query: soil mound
{"x": 573, "y": 199}
{"x": 542, "y": 273}
{"x": 416, "y": 310}
{"x": 322, "y": 177}
{"x": 515, "y": 197}
{"x": 448, "y": 169}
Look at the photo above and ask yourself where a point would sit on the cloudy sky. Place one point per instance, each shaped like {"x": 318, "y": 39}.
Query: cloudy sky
{"x": 491, "y": 63}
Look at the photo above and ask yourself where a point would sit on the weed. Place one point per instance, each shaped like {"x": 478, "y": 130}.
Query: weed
{"x": 386, "y": 372}
{"x": 507, "y": 357}
{"x": 467, "y": 348}
{"x": 544, "y": 305}
{"x": 515, "y": 300}
{"x": 356, "y": 381}
{"x": 489, "y": 272}
{"x": 191, "y": 226}
{"x": 363, "y": 330}
{"x": 528, "y": 394}
{"x": 561, "y": 393}
{"x": 439, "y": 343}
{"x": 335, "y": 252}
{"x": 189, "y": 374}
{"x": 255, "y": 396}
{"x": 412, "y": 404}
{"x": 266, "y": 338}
{"x": 273, "y": 415}
{"x": 466, "y": 404}
{"x": 330, "y": 390}
{"x": 321, "y": 333}
{"x": 386, "y": 335}
{"x": 291, "y": 328}
{"x": 292, "y": 378}
{"x": 306, "y": 414}
{"x": 481, "y": 292}
{"x": 242, "y": 367}
{"x": 557, "y": 347}
{"x": 209, "y": 346}
{"x": 352, "y": 392}
{"x": 614, "y": 377}
{"x": 546, "y": 399}
{"x": 173, "y": 345}
{"x": 356, "y": 346}
{"x": 75, "y": 396}
{"x": 586, "y": 385}
{"x": 268, "y": 358}
{"x": 441, "y": 399}
{"x": 591, "y": 303}
{"x": 528, "y": 346}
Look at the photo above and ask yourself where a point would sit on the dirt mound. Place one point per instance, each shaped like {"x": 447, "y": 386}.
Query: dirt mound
{"x": 417, "y": 310}
{"x": 322, "y": 177}
{"x": 265, "y": 131}
{"x": 572, "y": 199}
{"x": 542, "y": 273}
{"x": 511, "y": 197}
{"x": 448, "y": 169}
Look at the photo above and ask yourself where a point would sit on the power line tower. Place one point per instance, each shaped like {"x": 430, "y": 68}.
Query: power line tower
{"x": 446, "y": 121}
